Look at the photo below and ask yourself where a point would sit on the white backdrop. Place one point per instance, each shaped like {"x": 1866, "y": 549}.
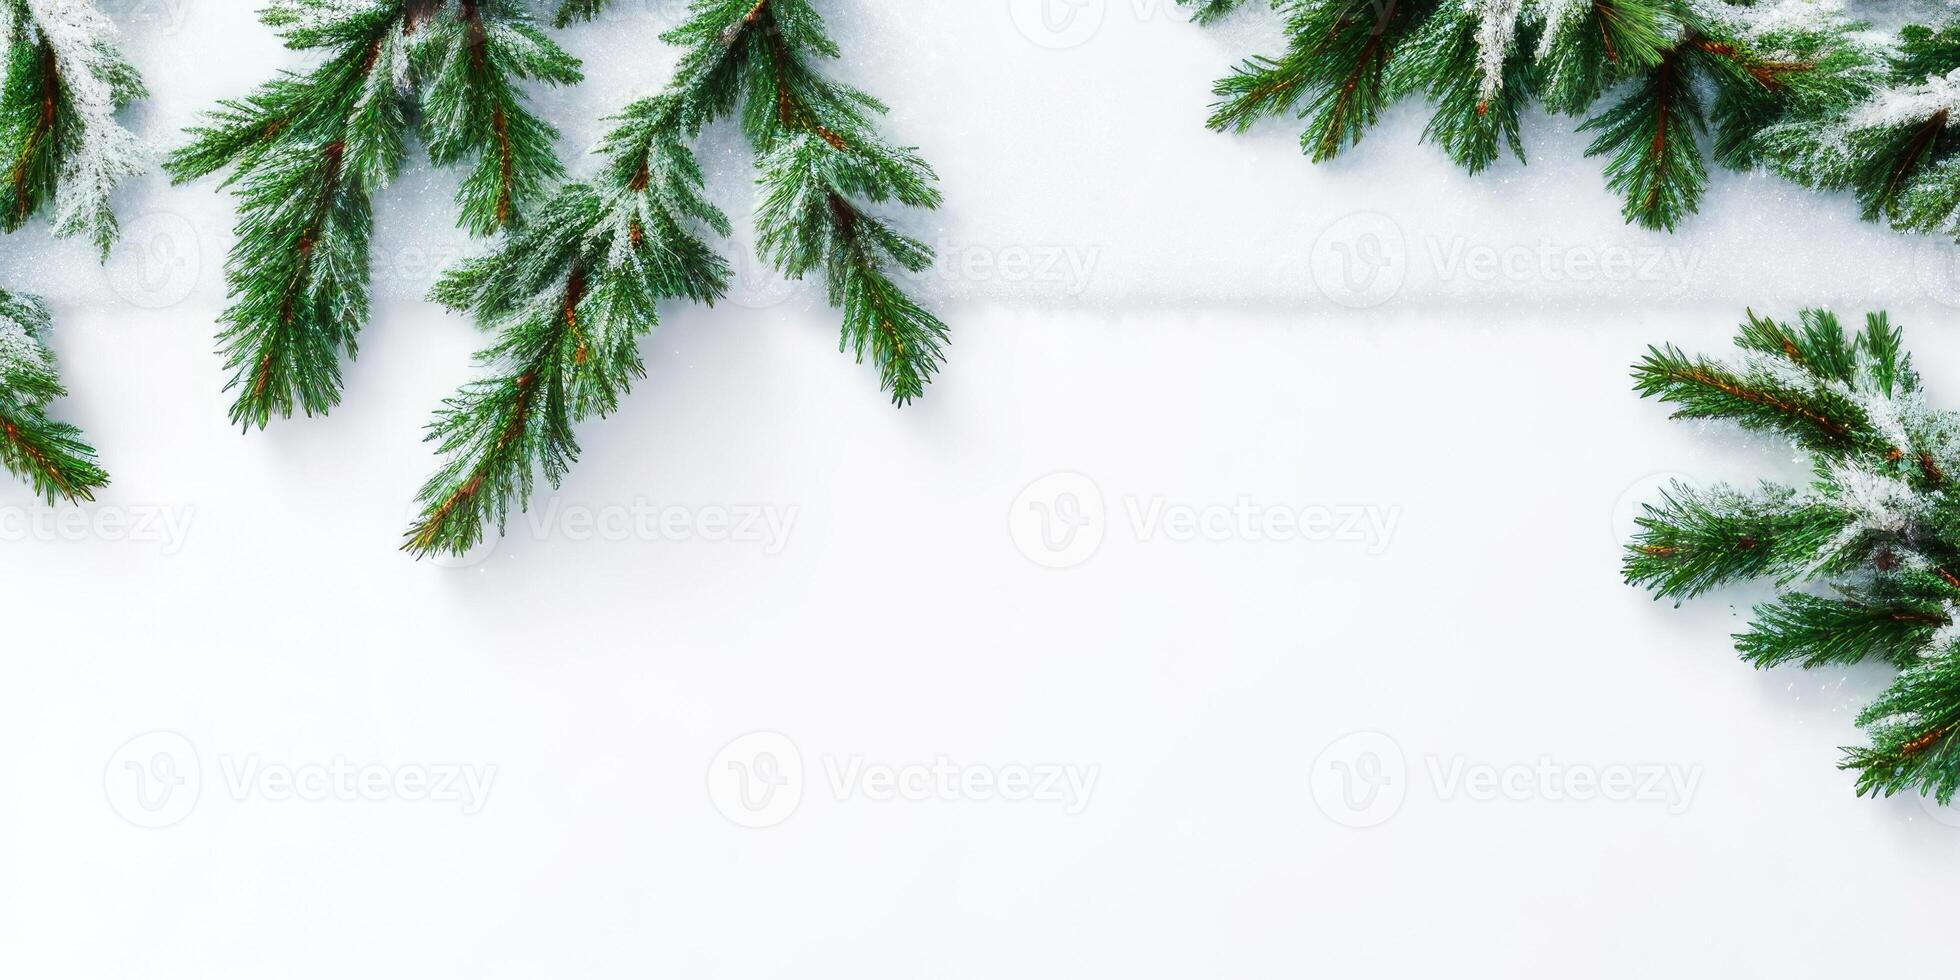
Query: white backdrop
{"x": 1242, "y": 601}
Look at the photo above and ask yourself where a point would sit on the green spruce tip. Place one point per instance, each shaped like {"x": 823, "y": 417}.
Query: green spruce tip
{"x": 64, "y": 84}
{"x": 49, "y": 456}
{"x": 569, "y": 296}
{"x": 308, "y": 151}
{"x": 1654, "y": 82}
{"x": 1865, "y": 557}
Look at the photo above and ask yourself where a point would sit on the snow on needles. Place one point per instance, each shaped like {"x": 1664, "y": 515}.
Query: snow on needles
{"x": 1496, "y": 33}
{"x": 1913, "y": 104}
{"x": 1776, "y": 16}
{"x": 106, "y": 153}
{"x": 21, "y": 350}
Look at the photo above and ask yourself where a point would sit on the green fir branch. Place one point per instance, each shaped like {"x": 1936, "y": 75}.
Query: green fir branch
{"x": 65, "y": 153}
{"x": 1912, "y": 726}
{"x": 1477, "y": 115}
{"x": 1697, "y": 540}
{"x": 568, "y": 299}
{"x": 1652, "y": 138}
{"x": 1820, "y": 631}
{"x": 1594, "y": 45}
{"x": 569, "y": 296}
{"x": 309, "y": 151}
{"x": 1823, "y": 104}
{"x": 49, "y": 456}
{"x": 1335, "y": 70}
{"x": 1880, "y": 525}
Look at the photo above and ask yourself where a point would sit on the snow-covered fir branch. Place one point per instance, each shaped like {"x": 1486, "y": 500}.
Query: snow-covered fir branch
{"x": 1879, "y": 526}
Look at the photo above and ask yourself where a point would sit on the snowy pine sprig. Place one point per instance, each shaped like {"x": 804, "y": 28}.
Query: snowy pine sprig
{"x": 569, "y": 296}
{"x": 1891, "y": 141}
{"x": 49, "y": 455}
{"x": 308, "y": 152}
{"x": 1867, "y": 555}
{"x": 1658, "y": 83}
{"x": 64, "y": 83}
{"x": 568, "y": 299}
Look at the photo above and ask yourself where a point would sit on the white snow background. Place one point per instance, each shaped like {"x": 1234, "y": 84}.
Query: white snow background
{"x": 1146, "y": 316}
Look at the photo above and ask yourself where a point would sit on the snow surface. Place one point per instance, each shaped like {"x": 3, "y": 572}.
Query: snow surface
{"x": 1185, "y": 319}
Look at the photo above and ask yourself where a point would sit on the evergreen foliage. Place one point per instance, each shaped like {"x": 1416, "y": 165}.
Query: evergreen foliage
{"x": 1866, "y": 555}
{"x": 569, "y": 296}
{"x": 49, "y": 455}
{"x": 1663, "y": 86}
{"x": 64, "y": 82}
{"x": 308, "y": 151}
